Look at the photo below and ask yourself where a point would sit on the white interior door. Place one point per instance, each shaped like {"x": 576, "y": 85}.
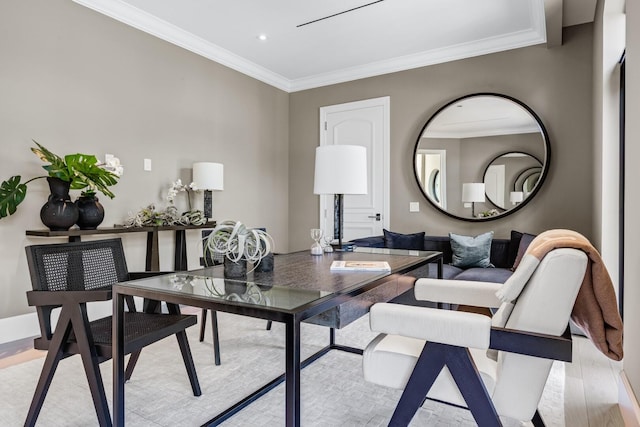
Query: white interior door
{"x": 494, "y": 184}
{"x": 364, "y": 123}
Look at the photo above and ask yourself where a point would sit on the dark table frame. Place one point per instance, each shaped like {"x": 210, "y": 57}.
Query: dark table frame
{"x": 291, "y": 319}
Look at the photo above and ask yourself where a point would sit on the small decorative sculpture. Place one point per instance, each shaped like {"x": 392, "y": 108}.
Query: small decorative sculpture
{"x": 316, "y": 235}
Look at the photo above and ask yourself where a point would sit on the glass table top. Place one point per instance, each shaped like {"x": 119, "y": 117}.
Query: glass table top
{"x": 298, "y": 279}
{"x": 230, "y": 290}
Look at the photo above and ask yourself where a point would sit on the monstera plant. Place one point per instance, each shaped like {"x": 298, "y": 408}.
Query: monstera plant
{"x": 82, "y": 171}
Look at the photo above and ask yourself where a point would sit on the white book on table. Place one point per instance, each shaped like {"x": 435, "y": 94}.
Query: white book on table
{"x": 360, "y": 266}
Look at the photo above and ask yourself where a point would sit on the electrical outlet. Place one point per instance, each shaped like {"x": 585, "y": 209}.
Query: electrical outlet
{"x": 147, "y": 164}
{"x": 414, "y": 207}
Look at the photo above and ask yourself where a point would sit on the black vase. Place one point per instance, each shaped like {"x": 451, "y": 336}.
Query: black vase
{"x": 90, "y": 212}
{"x": 59, "y": 213}
{"x": 235, "y": 270}
{"x": 265, "y": 265}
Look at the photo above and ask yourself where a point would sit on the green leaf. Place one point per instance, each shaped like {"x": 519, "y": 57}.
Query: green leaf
{"x": 57, "y": 168}
{"x": 12, "y": 193}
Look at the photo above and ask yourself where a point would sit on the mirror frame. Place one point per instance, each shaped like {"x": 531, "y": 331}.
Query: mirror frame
{"x": 484, "y": 174}
{"x": 545, "y": 165}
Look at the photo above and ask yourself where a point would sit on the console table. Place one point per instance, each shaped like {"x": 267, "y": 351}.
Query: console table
{"x": 153, "y": 252}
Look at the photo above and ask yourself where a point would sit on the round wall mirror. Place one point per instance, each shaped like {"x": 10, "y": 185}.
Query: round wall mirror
{"x": 506, "y": 177}
{"x": 481, "y": 157}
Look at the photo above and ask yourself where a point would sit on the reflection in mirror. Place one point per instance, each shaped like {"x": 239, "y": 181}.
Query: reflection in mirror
{"x": 431, "y": 169}
{"x": 527, "y": 180}
{"x": 481, "y": 138}
{"x": 502, "y": 174}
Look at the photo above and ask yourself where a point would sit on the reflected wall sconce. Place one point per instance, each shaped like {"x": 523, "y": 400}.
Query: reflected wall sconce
{"x": 339, "y": 170}
{"x": 473, "y": 192}
{"x": 209, "y": 177}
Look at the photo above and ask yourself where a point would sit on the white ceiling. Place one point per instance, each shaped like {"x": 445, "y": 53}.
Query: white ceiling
{"x": 481, "y": 116}
{"x": 370, "y": 38}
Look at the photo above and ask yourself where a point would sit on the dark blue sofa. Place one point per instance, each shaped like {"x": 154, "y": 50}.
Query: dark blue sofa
{"x": 503, "y": 256}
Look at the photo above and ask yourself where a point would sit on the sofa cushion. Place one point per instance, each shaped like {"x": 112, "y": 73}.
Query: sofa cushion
{"x": 369, "y": 242}
{"x": 471, "y": 251}
{"x": 493, "y": 275}
{"x": 439, "y": 244}
{"x": 431, "y": 270}
{"x": 525, "y": 241}
{"x": 413, "y": 241}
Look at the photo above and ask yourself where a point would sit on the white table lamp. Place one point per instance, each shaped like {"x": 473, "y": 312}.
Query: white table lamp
{"x": 208, "y": 176}
{"x": 340, "y": 170}
{"x": 473, "y": 192}
{"x": 516, "y": 197}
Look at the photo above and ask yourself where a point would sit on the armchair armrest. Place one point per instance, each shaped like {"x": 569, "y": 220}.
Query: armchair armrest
{"x": 478, "y": 294}
{"x": 40, "y": 298}
{"x": 443, "y": 326}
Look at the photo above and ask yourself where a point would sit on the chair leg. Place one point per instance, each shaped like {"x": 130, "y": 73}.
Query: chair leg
{"x": 203, "y": 323}
{"x": 433, "y": 358}
{"x": 54, "y": 355}
{"x": 424, "y": 374}
{"x": 188, "y": 362}
{"x": 269, "y": 322}
{"x": 133, "y": 359}
{"x": 216, "y": 339}
{"x": 537, "y": 420}
{"x": 80, "y": 322}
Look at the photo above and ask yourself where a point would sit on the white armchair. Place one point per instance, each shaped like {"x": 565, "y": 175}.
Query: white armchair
{"x": 494, "y": 366}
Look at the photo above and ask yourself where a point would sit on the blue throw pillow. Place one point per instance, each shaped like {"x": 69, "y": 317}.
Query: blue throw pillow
{"x": 470, "y": 251}
{"x": 413, "y": 241}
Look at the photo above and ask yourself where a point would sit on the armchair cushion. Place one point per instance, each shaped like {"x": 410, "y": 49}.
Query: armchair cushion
{"x": 525, "y": 241}
{"x": 471, "y": 251}
{"x": 413, "y": 241}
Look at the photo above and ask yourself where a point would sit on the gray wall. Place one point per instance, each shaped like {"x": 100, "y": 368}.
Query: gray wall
{"x": 77, "y": 81}
{"x": 555, "y": 83}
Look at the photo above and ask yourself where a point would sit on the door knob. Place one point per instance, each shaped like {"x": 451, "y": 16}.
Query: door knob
{"x": 376, "y": 216}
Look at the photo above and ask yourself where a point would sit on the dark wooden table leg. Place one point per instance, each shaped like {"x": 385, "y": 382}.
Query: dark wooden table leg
{"x": 118, "y": 359}
{"x": 292, "y": 373}
{"x": 180, "y": 257}
{"x": 153, "y": 251}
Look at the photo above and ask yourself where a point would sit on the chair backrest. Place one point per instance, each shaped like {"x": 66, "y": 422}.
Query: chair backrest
{"x": 76, "y": 266}
{"x": 544, "y": 306}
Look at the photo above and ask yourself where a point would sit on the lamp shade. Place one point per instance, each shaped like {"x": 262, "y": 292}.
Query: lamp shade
{"x": 473, "y": 192}
{"x": 516, "y": 197}
{"x": 208, "y": 176}
{"x": 340, "y": 169}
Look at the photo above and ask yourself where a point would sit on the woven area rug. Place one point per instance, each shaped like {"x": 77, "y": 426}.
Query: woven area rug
{"x": 333, "y": 390}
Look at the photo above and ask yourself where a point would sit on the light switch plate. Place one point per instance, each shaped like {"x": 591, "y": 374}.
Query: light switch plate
{"x": 414, "y": 207}
{"x": 147, "y": 164}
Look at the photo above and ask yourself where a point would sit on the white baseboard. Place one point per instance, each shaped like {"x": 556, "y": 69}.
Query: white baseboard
{"x": 19, "y": 327}
{"x": 26, "y": 325}
{"x": 628, "y": 402}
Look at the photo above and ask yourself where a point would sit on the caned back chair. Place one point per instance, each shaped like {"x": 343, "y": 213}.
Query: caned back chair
{"x": 70, "y": 275}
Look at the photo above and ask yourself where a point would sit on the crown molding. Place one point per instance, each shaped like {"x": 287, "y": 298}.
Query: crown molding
{"x": 132, "y": 16}
{"x": 164, "y": 30}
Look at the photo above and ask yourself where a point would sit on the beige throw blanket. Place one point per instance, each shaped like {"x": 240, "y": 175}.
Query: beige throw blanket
{"x": 596, "y": 307}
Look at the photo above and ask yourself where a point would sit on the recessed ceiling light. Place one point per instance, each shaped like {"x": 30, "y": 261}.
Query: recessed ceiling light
{"x": 262, "y": 37}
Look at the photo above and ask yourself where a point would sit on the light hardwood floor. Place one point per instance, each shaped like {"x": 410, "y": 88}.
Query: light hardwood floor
{"x": 591, "y": 382}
